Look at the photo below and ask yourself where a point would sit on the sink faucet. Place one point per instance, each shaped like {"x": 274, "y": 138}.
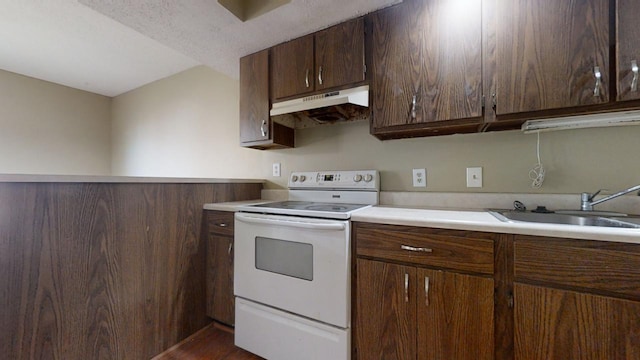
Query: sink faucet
{"x": 587, "y": 202}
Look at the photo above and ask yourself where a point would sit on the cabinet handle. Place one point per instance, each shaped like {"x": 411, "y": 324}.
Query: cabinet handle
{"x": 494, "y": 101}
{"x": 263, "y": 128}
{"x": 222, "y": 224}
{"x": 230, "y": 248}
{"x": 598, "y": 76}
{"x": 413, "y": 107}
{"x": 406, "y": 287}
{"x": 320, "y": 75}
{"x": 634, "y": 82}
{"x": 415, "y": 249}
{"x": 306, "y": 78}
{"x": 426, "y": 290}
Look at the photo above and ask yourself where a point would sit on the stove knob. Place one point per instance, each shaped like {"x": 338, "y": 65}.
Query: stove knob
{"x": 368, "y": 178}
{"x": 357, "y": 178}
{"x": 302, "y": 178}
{"x": 294, "y": 178}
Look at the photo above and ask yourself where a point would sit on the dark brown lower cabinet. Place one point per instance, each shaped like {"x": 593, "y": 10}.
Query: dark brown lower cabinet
{"x": 576, "y": 299}
{"x": 220, "y": 299}
{"x": 405, "y": 312}
{"x": 561, "y": 324}
{"x": 407, "y": 307}
{"x": 386, "y": 320}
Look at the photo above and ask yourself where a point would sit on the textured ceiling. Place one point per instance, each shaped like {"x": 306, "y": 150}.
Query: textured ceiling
{"x": 113, "y": 46}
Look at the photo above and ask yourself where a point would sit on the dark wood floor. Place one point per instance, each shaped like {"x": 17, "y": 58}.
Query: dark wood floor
{"x": 214, "y": 342}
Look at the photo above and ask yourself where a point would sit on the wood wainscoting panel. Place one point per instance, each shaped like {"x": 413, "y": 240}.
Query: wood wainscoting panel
{"x": 103, "y": 271}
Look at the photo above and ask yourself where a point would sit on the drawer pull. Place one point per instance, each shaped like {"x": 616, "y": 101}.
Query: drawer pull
{"x": 406, "y": 287}
{"x": 426, "y": 290}
{"x": 415, "y": 249}
{"x": 222, "y": 224}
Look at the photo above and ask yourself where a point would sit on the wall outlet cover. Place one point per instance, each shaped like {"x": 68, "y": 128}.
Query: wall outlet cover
{"x": 419, "y": 177}
{"x": 276, "y": 169}
{"x": 474, "y": 177}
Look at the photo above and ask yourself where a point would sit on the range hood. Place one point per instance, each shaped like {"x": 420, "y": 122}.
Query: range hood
{"x": 317, "y": 104}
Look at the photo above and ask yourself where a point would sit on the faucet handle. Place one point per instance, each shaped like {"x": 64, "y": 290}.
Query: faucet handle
{"x": 593, "y": 196}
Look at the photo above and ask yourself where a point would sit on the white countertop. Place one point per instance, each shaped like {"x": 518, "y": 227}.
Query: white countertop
{"x": 26, "y": 178}
{"x": 232, "y": 205}
{"x": 477, "y": 220}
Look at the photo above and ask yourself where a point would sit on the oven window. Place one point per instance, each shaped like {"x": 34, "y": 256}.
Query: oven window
{"x": 285, "y": 257}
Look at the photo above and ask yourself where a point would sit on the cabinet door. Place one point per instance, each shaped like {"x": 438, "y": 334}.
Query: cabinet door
{"x": 455, "y": 316}
{"x": 292, "y": 70}
{"x": 396, "y": 63}
{"x": 628, "y": 46}
{"x": 254, "y": 97}
{"x": 220, "y": 299}
{"x": 451, "y": 85}
{"x": 559, "y": 324}
{"x": 340, "y": 55}
{"x": 427, "y": 64}
{"x": 385, "y": 311}
{"x": 549, "y": 52}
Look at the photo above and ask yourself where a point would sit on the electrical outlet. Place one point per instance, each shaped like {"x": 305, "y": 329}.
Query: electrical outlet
{"x": 276, "y": 169}
{"x": 474, "y": 177}
{"x": 419, "y": 178}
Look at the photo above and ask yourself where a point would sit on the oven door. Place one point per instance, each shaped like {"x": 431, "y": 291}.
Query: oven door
{"x": 300, "y": 265}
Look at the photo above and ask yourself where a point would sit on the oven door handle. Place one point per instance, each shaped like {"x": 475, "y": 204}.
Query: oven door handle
{"x": 289, "y": 223}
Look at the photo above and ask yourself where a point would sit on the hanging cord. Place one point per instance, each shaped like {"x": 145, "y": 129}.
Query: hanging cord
{"x": 536, "y": 174}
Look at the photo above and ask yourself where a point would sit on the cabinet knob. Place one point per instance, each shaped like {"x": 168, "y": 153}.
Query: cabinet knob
{"x": 263, "y": 128}
{"x": 598, "y": 75}
{"x": 634, "y": 82}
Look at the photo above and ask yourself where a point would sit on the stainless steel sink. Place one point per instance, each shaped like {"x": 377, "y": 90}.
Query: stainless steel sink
{"x": 567, "y": 219}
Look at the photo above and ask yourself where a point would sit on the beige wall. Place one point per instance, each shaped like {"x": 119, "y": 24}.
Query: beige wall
{"x": 575, "y": 160}
{"x": 52, "y": 129}
{"x": 185, "y": 126}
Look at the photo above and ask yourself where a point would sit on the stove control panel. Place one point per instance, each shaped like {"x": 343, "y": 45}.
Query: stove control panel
{"x": 352, "y": 179}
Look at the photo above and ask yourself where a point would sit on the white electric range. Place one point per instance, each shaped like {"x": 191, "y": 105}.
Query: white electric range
{"x": 292, "y": 267}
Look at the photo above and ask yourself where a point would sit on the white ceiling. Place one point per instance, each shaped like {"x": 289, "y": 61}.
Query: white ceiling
{"x": 112, "y": 46}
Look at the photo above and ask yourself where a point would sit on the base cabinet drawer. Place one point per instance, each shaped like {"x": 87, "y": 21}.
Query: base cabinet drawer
{"x": 452, "y": 249}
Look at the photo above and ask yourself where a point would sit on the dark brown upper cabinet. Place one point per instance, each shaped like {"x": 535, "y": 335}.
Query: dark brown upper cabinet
{"x": 426, "y": 67}
{"x": 256, "y": 128}
{"x": 328, "y": 59}
{"x": 551, "y": 54}
{"x": 628, "y": 45}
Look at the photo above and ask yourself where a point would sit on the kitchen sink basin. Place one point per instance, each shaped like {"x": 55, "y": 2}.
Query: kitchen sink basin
{"x": 567, "y": 219}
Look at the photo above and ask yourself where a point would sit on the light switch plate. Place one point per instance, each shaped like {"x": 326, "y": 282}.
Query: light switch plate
{"x": 474, "y": 177}
{"x": 419, "y": 177}
{"x": 276, "y": 169}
